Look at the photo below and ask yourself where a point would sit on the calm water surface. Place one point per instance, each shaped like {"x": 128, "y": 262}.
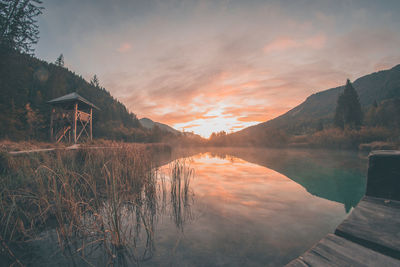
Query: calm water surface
{"x": 253, "y": 207}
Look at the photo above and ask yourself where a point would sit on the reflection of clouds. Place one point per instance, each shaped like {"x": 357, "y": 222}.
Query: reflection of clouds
{"x": 234, "y": 185}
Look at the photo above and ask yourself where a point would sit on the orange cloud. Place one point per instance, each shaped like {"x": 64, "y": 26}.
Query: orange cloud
{"x": 124, "y": 47}
{"x": 211, "y": 71}
{"x": 284, "y": 43}
{"x": 235, "y": 87}
{"x": 280, "y": 44}
{"x": 316, "y": 42}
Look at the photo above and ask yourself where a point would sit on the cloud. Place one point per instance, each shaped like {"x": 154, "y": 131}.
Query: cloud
{"x": 280, "y": 44}
{"x": 124, "y": 47}
{"x": 259, "y": 113}
{"x": 214, "y": 95}
{"x": 316, "y": 42}
{"x": 208, "y": 66}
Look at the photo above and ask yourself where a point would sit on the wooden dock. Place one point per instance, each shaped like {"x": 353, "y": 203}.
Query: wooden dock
{"x": 370, "y": 235}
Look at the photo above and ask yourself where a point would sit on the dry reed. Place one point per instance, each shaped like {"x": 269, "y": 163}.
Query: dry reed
{"x": 99, "y": 201}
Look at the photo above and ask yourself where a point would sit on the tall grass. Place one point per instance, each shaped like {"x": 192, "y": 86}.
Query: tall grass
{"x": 101, "y": 202}
{"x": 181, "y": 176}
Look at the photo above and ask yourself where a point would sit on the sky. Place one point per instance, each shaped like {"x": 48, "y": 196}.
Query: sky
{"x": 207, "y": 66}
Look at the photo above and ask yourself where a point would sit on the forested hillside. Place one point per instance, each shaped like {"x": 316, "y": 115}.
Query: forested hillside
{"x": 320, "y": 107}
{"x": 149, "y": 124}
{"x": 27, "y": 83}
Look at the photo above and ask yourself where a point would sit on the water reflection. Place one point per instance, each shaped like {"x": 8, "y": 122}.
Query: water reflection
{"x": 230, "y": 207}
{"x": 250, "y": 215}
{"x": 335, "y": 175}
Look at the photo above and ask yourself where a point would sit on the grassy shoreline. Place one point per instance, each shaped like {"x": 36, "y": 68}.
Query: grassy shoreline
{"x": 364, "y": 139}
{"x": 16, "y": 146}
{"x": 82, "y": 193}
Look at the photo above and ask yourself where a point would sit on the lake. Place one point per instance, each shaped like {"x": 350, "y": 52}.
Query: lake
{"x": 237, "y": 207}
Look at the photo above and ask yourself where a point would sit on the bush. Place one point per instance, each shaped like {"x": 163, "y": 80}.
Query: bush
{"x": 349, "y": 138}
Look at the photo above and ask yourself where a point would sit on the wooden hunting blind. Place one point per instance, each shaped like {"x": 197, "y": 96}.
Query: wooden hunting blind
{"x": 71, "y": 117}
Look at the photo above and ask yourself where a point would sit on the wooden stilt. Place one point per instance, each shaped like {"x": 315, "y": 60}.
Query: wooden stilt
{"x": 74, "y": 123}
{"x": 91, "y": 124}
{"x": 51, "y": 124}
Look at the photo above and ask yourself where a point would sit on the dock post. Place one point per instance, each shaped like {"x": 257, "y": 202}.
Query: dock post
{"x": 75, "y": 119}
{"x": 384, "y": 174}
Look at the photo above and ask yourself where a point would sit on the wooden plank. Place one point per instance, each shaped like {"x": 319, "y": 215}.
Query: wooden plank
{"x": 65, "y": 130}
{"x": 83, "y": 116}
{"x": 298, "y": 262}
{"x": 337, "y": 251}
{"x": 374, "y": 223}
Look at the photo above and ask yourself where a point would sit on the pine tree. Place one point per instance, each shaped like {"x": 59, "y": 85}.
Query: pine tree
{"x": 320, "y": 126}
{"x": 348, "y": 110}
{"x": 339, "y": 114}
{"x": 18, "y": 24}
{"x": 95, "y": 81}
{"x": 60, "y": 61}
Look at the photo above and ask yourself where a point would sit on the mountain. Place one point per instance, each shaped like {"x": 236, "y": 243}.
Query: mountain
{"x": 149, "y": 124}
{"x": 27, "y": 83}
{"x": 320, "y": 107}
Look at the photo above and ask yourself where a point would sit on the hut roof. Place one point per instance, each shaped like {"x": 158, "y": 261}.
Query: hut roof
{"x": 72, "y": 97}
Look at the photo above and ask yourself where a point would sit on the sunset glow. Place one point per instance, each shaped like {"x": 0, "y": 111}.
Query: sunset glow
{"x": 207, "y": 66}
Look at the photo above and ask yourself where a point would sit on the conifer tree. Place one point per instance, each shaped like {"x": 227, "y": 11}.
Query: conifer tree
{"x": 60, "y": 61}
{"x": 18, "y": 24}
{"x": 320, "y": 126}
{"x": 95, "y": 81}
{"x": 348, "y": 110}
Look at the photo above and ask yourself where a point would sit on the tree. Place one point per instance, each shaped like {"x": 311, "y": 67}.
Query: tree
{"x": 60, "y": 61}
{"x": 320, "y": 126}
{"x": 348, "y": 110}
{"x": 339, "y": 113}
{"x": 18, "y": 24}
{"x": 34, "y": 121}
{"x": 274, "y": 137}
{"x": 219, "y": 138}
{"x": 95, "y": 81}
